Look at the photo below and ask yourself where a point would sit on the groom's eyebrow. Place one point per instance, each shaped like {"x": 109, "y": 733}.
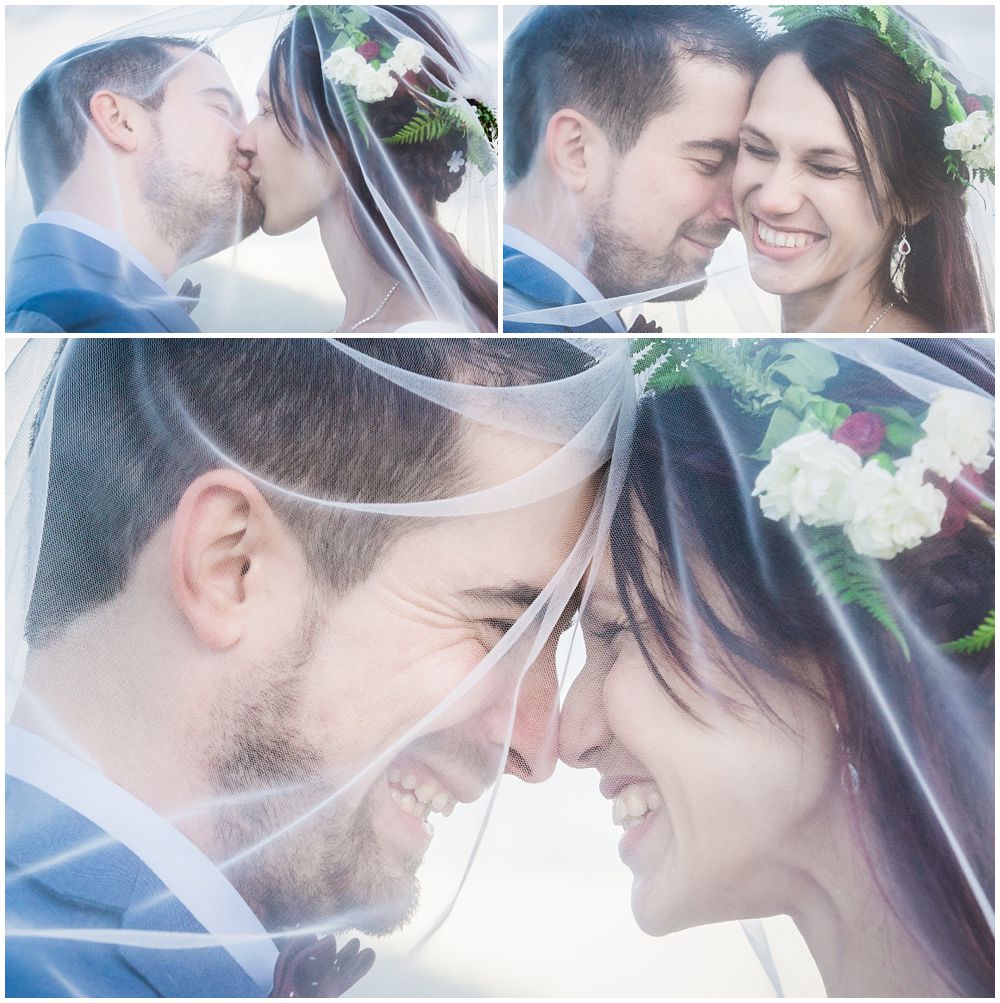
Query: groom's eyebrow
{"x": 723, "y": 146}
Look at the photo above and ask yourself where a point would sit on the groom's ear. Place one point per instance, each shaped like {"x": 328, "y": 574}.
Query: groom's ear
{"x": 576, "y": 150}
{"x": 230, "y": 556}
{"x": 117, "y": 119}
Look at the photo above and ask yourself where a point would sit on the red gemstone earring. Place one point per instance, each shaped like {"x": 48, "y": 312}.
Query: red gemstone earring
{"x": 903, "y": 247}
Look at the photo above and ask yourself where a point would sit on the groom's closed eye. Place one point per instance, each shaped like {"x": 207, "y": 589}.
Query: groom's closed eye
{"x": 709, "y": 156}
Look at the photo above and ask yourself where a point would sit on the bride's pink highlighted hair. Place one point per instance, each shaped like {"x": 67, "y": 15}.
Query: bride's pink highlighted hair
{"x": 690, "y": 480}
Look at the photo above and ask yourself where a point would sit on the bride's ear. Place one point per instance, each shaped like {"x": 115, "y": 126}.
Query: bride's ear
{"x": 576, "y": 150}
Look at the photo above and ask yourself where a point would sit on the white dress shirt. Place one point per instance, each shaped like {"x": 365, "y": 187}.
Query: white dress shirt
{"x": 109, "y": 238}
{"x": 572, "y": 276}
{"x": 189, "y": 875}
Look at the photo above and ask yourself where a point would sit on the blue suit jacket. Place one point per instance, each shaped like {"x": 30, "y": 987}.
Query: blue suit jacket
{"x": 530, "y": 285}
{"x": 103, "y": 887}
{"x": 62, "y": 280}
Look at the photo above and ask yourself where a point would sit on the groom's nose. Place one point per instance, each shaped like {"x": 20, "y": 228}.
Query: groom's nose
{"x": 724, "y": 209}
{"x": 532, "y": 752}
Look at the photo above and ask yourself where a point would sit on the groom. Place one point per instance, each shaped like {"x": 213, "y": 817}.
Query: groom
{"x": 193, "y": 644}
{"x": 619, "y": 152}
{"x": 129, "y": 148}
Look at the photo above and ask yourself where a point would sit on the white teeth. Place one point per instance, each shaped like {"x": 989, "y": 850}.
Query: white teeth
{"x": 780, "y": 238}
{"x": 419, "y": 797}
{"x": 634, "y": 803}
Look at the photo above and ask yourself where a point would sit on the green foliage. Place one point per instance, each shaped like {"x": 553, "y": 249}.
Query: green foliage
{"x": 979, "y": 640}
{"x": 427, "y": 125}
{"x": 851, "y": 578}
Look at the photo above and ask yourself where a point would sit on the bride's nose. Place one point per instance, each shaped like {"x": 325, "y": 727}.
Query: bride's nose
{"x": 583, "y": 728}
{"x": 780, "y": 192}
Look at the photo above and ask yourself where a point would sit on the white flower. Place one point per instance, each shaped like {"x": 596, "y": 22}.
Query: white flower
{"x": 982, "y": 157}
{"x": 345, "y": 66}
{"x": 375, "y": 85}
{"x": 958, "y": 427}
{"x": 809, "y": 479}
{"x": 456, "y": 162}
{"x": 893, "y": 513}
{"x": 968, "y": 134}
{"x": 406, "y": 56}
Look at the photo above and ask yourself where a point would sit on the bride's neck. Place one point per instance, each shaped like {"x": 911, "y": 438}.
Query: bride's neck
{"x": 847, "y": 304}
{"x": 859, "y": 944}
{"x": 363, "y": 281}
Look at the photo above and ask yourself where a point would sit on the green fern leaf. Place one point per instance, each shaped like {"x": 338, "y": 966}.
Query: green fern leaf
{"x": 979, "y": 640}
{"x": 851, "y": 578}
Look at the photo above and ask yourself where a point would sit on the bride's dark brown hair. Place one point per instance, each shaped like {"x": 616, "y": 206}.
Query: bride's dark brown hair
{"x": 940, "y": 281}
{"x": 307, "y": 114}
{"x": 690, "y": 481}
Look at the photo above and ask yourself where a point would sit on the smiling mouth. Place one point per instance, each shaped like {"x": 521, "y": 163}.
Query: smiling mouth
{"x": 635, "y": 803}
{"x": 420, "y": 794}
{"x": 768, "y": 238}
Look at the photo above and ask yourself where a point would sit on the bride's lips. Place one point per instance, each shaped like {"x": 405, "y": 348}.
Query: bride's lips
{"x": 783, "y": 243}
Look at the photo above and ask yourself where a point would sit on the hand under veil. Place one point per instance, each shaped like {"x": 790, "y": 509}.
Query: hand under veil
{"x": 403, "y": 184}
{"x": 646, "y": 231}
{"x": 270, "y": 605}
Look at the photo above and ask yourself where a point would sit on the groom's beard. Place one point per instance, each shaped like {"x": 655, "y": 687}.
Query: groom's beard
{"x": 620, "y": 267}
{"x": 194, "y": 214}
{"x": 292, "y": 867}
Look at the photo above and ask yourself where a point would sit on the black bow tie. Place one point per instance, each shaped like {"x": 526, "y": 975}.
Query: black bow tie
{"x": 312, "y": 966}
{"x": 188, "y": 295}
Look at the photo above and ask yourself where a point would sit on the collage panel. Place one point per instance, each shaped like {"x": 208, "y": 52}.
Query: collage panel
{"x": 500, "y": 667}
{"x": 726, "y": 169}
{"x": 252, "y": 169}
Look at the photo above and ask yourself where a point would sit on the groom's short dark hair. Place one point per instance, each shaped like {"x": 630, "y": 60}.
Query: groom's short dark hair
{"x": 53, "y": 113}
{"x": 135, "y": 421}
{"x": 614, "y": 64}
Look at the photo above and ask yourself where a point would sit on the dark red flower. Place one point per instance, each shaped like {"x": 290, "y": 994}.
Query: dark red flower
{"x": 863, "y": 432}
{"x": 964, "y": 495}
{"x": 369, "y": 49}
{"x": 972, "y": 103}
{"x": 410, "y": 77}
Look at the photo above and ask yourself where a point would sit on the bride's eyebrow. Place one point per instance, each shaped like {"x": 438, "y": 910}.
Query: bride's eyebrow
{"x": 830, "y": 151}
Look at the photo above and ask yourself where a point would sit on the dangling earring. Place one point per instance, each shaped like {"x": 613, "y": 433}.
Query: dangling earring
{"x": 903, "y": 247}
{"x": 849, "y": 779}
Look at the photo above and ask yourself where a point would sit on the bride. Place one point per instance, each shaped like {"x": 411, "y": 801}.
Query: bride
{"x": 852, "y": 179}
{"x": 799, "y": 720}
{"x": 363, "y": 124}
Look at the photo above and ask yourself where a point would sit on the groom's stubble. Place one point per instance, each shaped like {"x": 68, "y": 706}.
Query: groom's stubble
{"x": 619, "y": 266}
{"x": 194, "y": 214}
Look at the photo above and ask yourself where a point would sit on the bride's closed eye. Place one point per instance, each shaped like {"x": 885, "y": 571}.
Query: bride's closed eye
{"x": 757, "y": 151}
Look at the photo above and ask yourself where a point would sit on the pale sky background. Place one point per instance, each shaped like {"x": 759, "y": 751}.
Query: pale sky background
{"x": 281, "y": 283}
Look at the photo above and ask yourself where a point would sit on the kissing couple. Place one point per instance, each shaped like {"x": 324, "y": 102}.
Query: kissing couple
{"x": 843, "y": 147}
{"x": 373, "y": 121}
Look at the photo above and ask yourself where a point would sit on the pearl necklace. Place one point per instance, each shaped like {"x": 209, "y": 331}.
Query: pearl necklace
{"x": 871, "y": 326}
{"x": 377, "y": 310}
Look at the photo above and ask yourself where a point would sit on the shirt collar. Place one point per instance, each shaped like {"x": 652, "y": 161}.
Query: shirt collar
{"x": 109, "y": 238}
{"x": 572, "y": 276}
{"x": 186, "y": 872}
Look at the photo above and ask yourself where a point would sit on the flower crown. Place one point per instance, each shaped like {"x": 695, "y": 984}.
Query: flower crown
{"x": 865, "y": 484}
{"x": 368, "y": 70}
{"x": 969, "y": 138}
